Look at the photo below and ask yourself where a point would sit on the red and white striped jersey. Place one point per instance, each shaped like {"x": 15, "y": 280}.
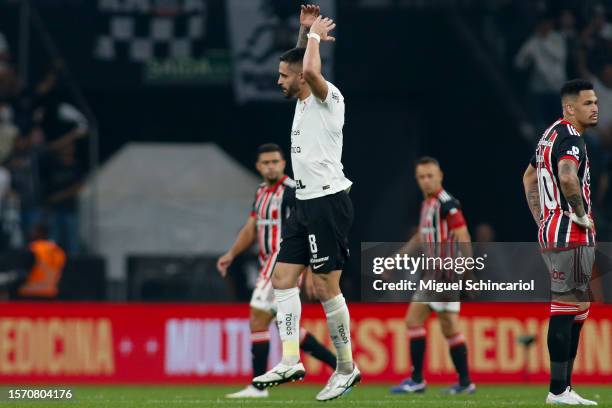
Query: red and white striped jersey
{"x": 440, "y": 214}
{"x": 271, "y": 207}
{"x": 559, "y": 142}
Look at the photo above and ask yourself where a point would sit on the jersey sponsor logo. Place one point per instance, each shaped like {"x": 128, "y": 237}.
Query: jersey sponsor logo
{"x": 319, "y": 260}
{"x": 545, "y": 143}
{"x": 315, "y": 267}
{"x": 335, "y": 97}
{"x": 327, "y": 187}
{"x": 267, "y": 222}
{"x": 342, "y": 333}
{"x": 288, "y": 324}
{"x": 558, "y": 275}
{"x": 575, "y": 152}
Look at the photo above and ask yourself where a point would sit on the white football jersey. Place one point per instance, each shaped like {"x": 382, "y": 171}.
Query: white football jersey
{"x": 316, "y": 145}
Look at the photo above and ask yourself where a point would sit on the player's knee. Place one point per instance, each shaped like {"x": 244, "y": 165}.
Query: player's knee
{"x": 325, "y": 288}
{"x": 281, "y": 281}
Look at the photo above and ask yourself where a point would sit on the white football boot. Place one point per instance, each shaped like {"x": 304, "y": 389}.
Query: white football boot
{"x": 280, "y": 374}
{"x": 565, "y": 398}
{"x": 339, "y": 384}
{"x": 583, "y": 401}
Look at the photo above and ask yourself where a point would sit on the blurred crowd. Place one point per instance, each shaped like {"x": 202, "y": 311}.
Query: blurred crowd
{"x": 566, "y": 43}
{"x": 43, "y": 148}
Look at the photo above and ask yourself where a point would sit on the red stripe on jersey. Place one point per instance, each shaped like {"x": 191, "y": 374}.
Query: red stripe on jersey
{"x": 269, "y": 210}
{"x": 435, "y": 229}
{"x": 276, "y": 216}
{"x": 552, "y": 228}
{"x": 568, "y": 157}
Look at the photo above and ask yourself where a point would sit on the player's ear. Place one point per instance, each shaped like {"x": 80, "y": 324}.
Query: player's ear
{"x": 569, "y": 107}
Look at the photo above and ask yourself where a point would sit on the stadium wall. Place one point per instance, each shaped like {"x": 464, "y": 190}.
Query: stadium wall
{"x": 209, "y": 343}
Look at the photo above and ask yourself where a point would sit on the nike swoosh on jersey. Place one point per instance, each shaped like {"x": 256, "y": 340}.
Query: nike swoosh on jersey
{"x": 317, "y": 266}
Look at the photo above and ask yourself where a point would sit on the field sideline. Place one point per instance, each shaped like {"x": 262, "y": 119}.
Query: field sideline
{"x": 300, "y": 395}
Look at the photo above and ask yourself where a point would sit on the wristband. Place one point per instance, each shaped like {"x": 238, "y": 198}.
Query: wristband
{"x": 584, "y": 219}
{"x": 315, "y": 36}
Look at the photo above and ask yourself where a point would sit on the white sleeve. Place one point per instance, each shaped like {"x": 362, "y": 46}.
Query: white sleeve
{"x": 334, "y": 97}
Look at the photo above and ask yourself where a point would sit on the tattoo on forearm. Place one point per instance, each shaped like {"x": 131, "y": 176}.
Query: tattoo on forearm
{"x": 575, "y": 200}
{"x": 571, "y": 190}
{"x": 302, "y": 41}
{"x": 533, "y": 200}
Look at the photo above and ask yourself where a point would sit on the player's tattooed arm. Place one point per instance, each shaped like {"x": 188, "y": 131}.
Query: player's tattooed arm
{"x": 532, "y": 194}
{"x": 570, "y": 186}
{"x": 308, "y": 14}
{"x": 312, "y": 57}
{"x": 302, "y": 39}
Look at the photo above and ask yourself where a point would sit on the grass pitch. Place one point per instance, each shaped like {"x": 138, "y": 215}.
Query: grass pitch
{"x": 302, "y": 395}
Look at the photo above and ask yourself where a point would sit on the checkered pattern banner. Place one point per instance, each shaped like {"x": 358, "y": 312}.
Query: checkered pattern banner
{"x": 261, "y": 30}
{"x": 141, "y": 38}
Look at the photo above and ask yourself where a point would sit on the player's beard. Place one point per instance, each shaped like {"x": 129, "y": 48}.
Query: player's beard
{"x": 272, "y": 180}
{"x": 292, "y": 91}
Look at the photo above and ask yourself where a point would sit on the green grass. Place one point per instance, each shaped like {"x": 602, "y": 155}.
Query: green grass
{"x": 302, "y": 395}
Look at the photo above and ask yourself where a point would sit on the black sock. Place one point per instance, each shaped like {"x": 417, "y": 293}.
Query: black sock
{"x": 459, "y": 356}
{"x": 312, "y": 346}
{"x": 576, "y": 327}
{"x": 417, "y": 354}
{"x": 559, "y": 340}
{"x": 259, "y": 355}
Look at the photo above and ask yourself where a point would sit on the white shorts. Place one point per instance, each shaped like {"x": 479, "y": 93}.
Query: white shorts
{"x": 445, "y": 306}
{"x": 263, "y": 296}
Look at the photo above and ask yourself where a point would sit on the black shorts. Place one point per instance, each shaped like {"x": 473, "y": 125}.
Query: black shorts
{"x": 316, "y": 233}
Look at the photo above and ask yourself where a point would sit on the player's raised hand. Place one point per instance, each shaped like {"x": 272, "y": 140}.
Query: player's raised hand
{"x": 223, "y": 263}
{"x": 322, "y": 26}
{"x": 308, "y": 14}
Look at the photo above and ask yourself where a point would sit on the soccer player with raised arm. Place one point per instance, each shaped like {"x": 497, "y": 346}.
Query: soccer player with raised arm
{"x": 317, "y": 232}
{"x": 442, "y": 232}
{"x": 274, "y": 201}
{"x": 557, "y": 187}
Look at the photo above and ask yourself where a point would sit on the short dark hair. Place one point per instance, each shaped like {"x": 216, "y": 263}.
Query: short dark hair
{"x": 269, "y": 148}
{"x": 575, "y": 86}
{"x": 293, "y": 56}
{"x": 426, "y": 160}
